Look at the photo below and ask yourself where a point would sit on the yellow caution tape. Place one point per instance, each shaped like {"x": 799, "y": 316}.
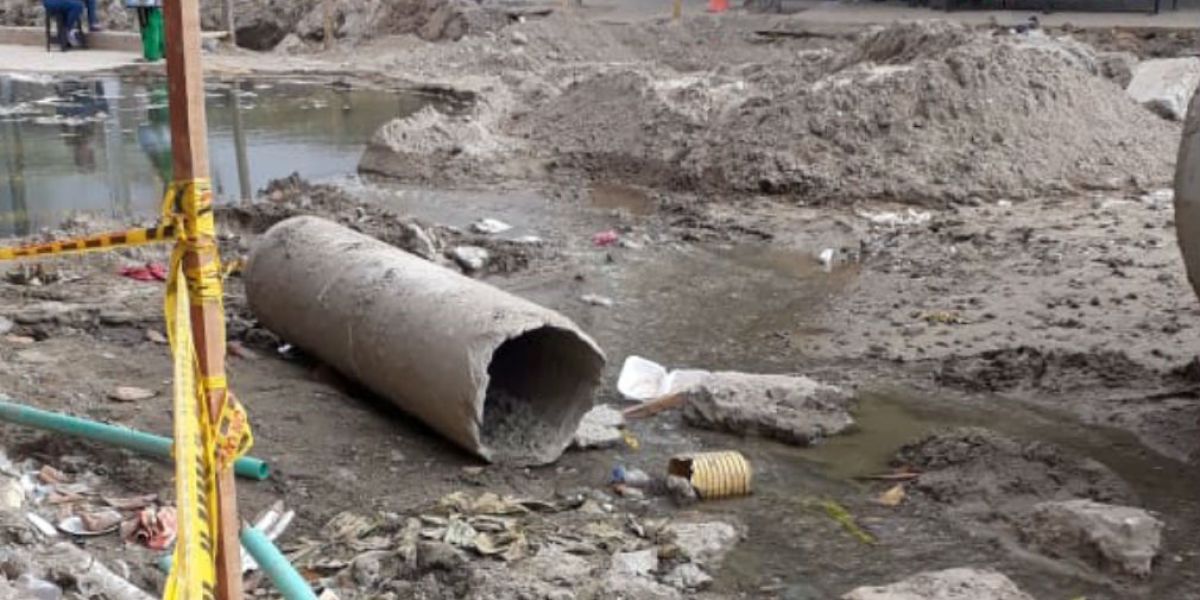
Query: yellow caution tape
{"x": 93, "y": 243}
{"x": 193, "y": 577}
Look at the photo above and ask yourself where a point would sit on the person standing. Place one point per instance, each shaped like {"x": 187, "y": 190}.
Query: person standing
{"x": 70, "y": 11}
{"x": 93, "y": 16}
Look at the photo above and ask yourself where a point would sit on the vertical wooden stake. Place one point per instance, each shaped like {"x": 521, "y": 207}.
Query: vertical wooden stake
{"x": 328, "y": 24}
{"x": 677, "y": 10}
{"x": 189, "y": 150}
{"x": 228, "y": 18}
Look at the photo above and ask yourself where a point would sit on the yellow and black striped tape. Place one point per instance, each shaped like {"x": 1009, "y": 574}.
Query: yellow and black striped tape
{"x": 93, "y": 243}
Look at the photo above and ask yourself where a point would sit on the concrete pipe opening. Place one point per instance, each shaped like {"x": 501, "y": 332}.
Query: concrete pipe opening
{"x": 523, "y": 412}
{"x": 498, "y": 375}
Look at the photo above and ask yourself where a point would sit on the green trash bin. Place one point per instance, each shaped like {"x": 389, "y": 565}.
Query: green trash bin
{"x": 152, "y": 34}
{"x": 150, "y": 18}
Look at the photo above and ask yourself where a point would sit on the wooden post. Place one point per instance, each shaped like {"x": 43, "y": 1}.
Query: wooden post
{"x": 189, "y": 150}
{"x": 328, "y": 24}
{"x": 677, "y": 10}
{"x": 230, "y": 22}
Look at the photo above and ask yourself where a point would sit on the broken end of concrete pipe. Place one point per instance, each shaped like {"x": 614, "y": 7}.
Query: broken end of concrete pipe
{"x": 500, "y": 376}
{"x": 1187, "y": 194}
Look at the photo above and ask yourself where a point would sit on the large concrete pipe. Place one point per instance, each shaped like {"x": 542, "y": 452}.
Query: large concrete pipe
{"x": 500, "y": 376}
{"x": 1187, "y": 194}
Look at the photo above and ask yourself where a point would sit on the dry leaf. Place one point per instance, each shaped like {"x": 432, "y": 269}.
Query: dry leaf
{"x": 892, "y": 497}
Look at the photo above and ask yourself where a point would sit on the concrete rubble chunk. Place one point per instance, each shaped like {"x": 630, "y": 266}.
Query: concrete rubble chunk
{"x": 620, "y": 586}
{"x": 705, "y": 543}
{"x": 470, "y": 258}
{"x": 1121, "y": 539}
{"x": 1166, "y": 85}
{"x": 600, "y": 428}
{"x": 635, "y": 564}
{"x": 793, "y": 409}
{"x": 688, "y": 577}
{"x": 951, "y": 584}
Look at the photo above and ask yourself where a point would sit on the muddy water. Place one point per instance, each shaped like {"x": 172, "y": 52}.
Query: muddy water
{"x": 103, "y": 143}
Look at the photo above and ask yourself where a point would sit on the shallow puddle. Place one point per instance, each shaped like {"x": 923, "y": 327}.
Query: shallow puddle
{"x": 102, "y": 143}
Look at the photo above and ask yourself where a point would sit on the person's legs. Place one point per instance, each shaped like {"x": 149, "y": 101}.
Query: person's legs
{"x": 70, "y": 9}
{"x": 93, "y": 16}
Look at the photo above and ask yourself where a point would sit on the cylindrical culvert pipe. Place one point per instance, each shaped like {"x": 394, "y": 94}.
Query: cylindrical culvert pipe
{"x": 1187, "y": 194}
{"x": 500, "y": 376}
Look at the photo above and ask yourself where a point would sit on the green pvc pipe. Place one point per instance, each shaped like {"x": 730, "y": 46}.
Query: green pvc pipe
{"x": 272, "y": 562}
{"x": 121, "y": 437}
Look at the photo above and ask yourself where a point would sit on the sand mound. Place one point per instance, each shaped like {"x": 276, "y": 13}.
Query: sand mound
{"x": 923, "y": 113}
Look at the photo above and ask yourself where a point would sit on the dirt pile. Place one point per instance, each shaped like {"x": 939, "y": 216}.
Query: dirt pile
{"x": 981, "y": 472}
{"x": 926, "y": 112}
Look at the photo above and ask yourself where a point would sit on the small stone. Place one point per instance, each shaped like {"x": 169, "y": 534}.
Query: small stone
{"x": 127, "y": 393}
{"x": 705, "y": 543}
{"x": 472, "y": 471}
{"x": 490, "y": 226}
{"x": 12, "y": 495}
{"x": 470, "y": 258}
{"x": 635, "y": 564}
{"x": 600, "y": 428}
{"x": 19, "y": 340}
{"x": 681, "y": 490}
{"x": 635, "y": 478}
{"x": 6, "y": 325}
{"x": 438, "y": 556}
{"x": 519, "y": 38}
{"x": 628, "y": 491}
{"x": 688, "y": 577}
{"x": 951, "y": 584}
{"x": 155, "y": 336}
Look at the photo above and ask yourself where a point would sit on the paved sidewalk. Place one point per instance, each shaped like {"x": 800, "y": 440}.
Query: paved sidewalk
{"x": 37, "y": 59}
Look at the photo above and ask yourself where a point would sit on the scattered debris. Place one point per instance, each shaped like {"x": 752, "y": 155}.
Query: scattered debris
{"x": 126, "y": 393}
{"x": 793, "y": 409}
{"x": 605, "y": 238}
{"x": 951, "y": 584}
{"x": 893, "y": 496}
{"x": 1122, "y": 539}
{"x": 152, "y": 527}
{"x": 12, "y": 494}
{"x": 150, "y": 272}
{"x": 909, "y": 218}
{"x": 470, "y": 258}
{"x": 600, "y": 428}
{"x": 688, "y": 577}
{"x": 714, "y": 475}
{"x": 842, "y": 517}
{"x": 705, "y": 543}
{"x": 490, "y": 226}
{"x": 595, "y": 300}
{"x": 641, "y": 379}
{"x": 88, "y": 524}
{"x": 635, "y": 564}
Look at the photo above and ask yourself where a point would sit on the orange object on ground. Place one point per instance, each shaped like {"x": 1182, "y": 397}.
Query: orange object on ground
{"x": 718, "y": 6}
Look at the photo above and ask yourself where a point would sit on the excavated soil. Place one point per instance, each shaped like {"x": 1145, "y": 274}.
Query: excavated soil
{"x": 920, "y": 113}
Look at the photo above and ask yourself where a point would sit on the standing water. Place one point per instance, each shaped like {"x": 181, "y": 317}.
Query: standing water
{"x": 102, "y": 143}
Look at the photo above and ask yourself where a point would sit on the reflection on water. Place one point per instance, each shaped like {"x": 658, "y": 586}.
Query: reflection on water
{"x": 103, "y": 144}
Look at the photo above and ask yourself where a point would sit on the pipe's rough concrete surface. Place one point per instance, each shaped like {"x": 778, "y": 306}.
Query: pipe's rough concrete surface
{"x": 500, "y": 376}
{"x": 1187, "y": 194}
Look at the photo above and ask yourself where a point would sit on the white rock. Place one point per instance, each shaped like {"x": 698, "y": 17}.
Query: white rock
{"x": 470, "y": 258}
{"x": 688, "y": 577}
{"x": 490, "y": 226}
{"x": 951, "y": 584}
{"x": 128, "y": 393}
{"x": 6, "y": 325}
{"x": 595, "y": 300}
{"x": 600, "y": 428}
{"x": 1125, "y": 538}
{"x": 12, "y": 494}
{"x": 1166, "y": 85}
{"x": 635, "y": 564}
{"x": 705, "y": 543}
